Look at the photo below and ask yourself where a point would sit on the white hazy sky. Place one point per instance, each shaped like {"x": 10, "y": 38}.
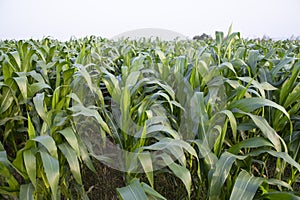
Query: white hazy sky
{"x": 61, "y": 19}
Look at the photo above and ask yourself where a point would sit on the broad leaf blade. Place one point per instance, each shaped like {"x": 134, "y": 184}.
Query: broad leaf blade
{"x": 146, "y": 161}
{"x": 49, "y": 143}
{"x": 150, "y": 191}
{"x": 71, "y": 157}
{"x": 281, "y": 196}
{"x": 26, "y": 192}
{"x": 71, "y": 138}
{"x": 22, "y": 84}
{"x": 30, "y": 165}
{"x": 51, "y": 167}
{"x": 134, "y": 191}
{"x": 255, "y": 142}
{"x": 181, "y": 172}
{"x": 85, "y": 156}
{"x": 220, "y": 174}
{"x": 245, "y": 186}
{"x": 251, "y": 104}
{"x": 268, "y": 131}
{"x": 38, "y": 101}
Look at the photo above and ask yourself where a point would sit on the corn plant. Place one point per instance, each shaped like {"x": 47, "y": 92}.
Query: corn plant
{"x": 220, "y": 115}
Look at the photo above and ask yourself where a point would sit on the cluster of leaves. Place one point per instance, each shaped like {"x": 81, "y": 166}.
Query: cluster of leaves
{"x": 221, "y": 115}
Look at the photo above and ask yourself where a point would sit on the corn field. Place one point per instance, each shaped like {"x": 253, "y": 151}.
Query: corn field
{"x": 206, "y": 119}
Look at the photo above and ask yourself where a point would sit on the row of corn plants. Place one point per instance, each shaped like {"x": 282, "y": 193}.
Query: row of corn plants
{"x": 221, "y": 116}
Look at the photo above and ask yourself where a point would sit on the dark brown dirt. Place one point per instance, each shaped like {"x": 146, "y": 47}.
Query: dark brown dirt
{"x": 103, "y": 184}
{"x": 169, "y": 186}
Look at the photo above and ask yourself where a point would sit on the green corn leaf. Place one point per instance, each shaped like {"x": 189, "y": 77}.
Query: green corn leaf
{"x": 293, "y": 97}
{"x": 181, "y": 172}
{"x": 125, "y": 109}
{"x": 36, "y": 87}
{"x": 224, "y": 164}
{"x": 38, "y": 101}
{"x": 283, "y": 155}
{"x": 232, "y": 122}
{"x": 287, "y": 86}
{"x": 267, "y": 86}
{"x": 220, "y": 139}
{"x": 134, "y": 191}
{"x": 85, "y": 156}
{"x": 251, "y": 104}
{"x": 85, "y": 74}
{"x": 38, "y": 77}
{"x": 245, "y": 186}
{"x": 51, "y": 167}
{"x": 202, "y": 68}
{"x": 219, "y": 174}
{"x": 198, "y": 114}
{"x": 31, "y": 130}
{"x": 132, "y": 79}
{"x": 231, "y": 37}
{"x": 4, "y": 190}
{"x": 8, "y": 70}
{"x": 56, "y": 98}
{"x": 178, "y": 153}
{"x": 90, "y": 112}
{"x": 281, "y": 65}
{"x": 15, "y": 60}
{"x": 253, "y": 59}
{"x": 229, "y": 66}
{"x": 26, "y": 192}
{"x": 26, "y": 61}
{"x": 71, "y": 157}
{"x": 150, "y": 191}
{"x": 8, "y": 176}
{"x": 268, "y": 132}
{"x": 74, "y": 97}
{"x": 206, "y": 153}
{"x": 159, "y": 128}
{"x": 146, "y": 161}
{"x": 162, "y": 57}
{"x": 18, "y": 164}
{"x": 48, "y": 143}
{"x": 10, "y": 119}
{"x": 30, "y": 165}
{"x": 195, "y": 78}
{"x": 112, "y": 85}
{"x": 180, "y": 65}
{"x": 219, "y": 37}
{"x": 277, "y": 182}
{"x": 170, "y": 146}
{"x": 255, "y": 83}
{"x": 22, "y": 84}
{"x": 68, "y": 75}
{"x": 80, "y": 58}
{"x": 166, "y": 87}
{"x": 165, "y": 96}
{"x": 137, "y": 63}
{"x": 6, "y": 100}
{"x": 254, "y": 142}
{"x": 281, "y": 195}
{"x": 71, "y": 138}
{"x": 3, "y": 155}
{"x": 168, "y": 142}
